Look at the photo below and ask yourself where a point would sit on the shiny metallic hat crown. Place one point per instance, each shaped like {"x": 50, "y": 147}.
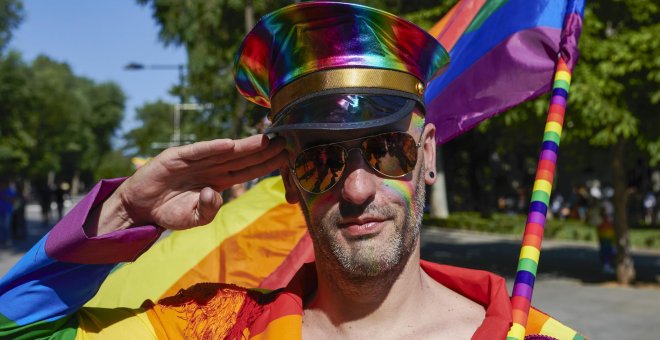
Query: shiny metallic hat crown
{"x": 314, "y": 48}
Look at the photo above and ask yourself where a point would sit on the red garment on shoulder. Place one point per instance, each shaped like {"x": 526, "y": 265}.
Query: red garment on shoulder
{"x": 482, "y": 287}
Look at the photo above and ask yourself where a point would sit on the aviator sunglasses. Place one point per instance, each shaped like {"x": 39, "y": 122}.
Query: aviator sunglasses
{"x": 391, "y": 154}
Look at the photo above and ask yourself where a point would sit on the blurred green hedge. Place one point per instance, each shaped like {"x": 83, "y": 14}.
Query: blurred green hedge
{"x": 569, "y": 229}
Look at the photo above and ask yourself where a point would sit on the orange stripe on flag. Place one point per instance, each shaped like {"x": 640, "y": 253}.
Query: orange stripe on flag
{"x": 452, "y": 26}
{"x": 247, "y": 257}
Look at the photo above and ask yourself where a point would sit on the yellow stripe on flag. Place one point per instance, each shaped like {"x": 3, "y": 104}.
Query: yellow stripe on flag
{"x": 542, "y": 185}
{"x": 529, "y": 252}
{"x": 563, "y": 75}
{"x": 554, "y": 127}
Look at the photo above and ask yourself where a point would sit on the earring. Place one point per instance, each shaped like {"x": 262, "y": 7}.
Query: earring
{"x": 431, "y": 174}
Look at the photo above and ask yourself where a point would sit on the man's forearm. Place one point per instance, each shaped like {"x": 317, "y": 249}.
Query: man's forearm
{"x": 67, "y": 266}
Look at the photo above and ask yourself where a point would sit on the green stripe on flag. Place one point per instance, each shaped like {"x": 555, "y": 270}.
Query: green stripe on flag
{"x": 551, "y": 136}
{"x": 540, "y": 196}
{"x": 528, "y": 265}
{"x": 62, "y": 328}
{"x": 562, "y": 84}
{"x": 488, "y": 8}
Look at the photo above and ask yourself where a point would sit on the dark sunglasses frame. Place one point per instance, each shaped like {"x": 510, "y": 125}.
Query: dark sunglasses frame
{"x": 346, "y": 153}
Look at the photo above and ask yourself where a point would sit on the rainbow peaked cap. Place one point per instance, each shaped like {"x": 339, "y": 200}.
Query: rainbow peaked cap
{"x": 370, "y": 47}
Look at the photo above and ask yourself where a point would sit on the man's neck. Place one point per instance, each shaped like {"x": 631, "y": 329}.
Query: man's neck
{"x": 405, "y": 303}
{"x": 375, "y": 301}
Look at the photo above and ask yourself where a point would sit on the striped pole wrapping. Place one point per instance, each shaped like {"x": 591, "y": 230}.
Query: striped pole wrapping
{"x": 523, "y": 287}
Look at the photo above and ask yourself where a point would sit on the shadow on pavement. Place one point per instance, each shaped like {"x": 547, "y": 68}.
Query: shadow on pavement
{"x": 579, "y": 262}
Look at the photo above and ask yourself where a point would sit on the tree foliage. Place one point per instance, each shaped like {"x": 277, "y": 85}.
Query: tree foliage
{"x": 611, "y": 124}
{"x": 156, "y": 119}
{"x": 617, "y": 86}
{"x": 54, "y": 120}
{"x": 11, "y": 15}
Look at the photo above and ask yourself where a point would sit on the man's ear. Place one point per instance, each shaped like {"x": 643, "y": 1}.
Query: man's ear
{"x": 429, "y": 148}
{"x": 291, "y": 191}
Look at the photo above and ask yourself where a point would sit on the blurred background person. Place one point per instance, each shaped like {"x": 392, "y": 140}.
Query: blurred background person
{"x": 60, "y": 192}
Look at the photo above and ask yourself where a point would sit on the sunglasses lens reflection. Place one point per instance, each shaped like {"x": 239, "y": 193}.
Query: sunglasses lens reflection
{"x": 391, "y": 154}
{"x": 321, "y": 167}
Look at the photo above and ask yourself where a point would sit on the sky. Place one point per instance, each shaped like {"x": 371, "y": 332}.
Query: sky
{"x": 97, "y": 38}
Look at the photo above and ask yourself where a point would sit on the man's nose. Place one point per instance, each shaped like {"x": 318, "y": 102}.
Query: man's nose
{"x": 360, "y": 182}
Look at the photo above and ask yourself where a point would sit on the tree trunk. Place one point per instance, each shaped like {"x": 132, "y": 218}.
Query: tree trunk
{"x": 241, "y": 103}
{"x": 439, "y": 189}
{"x": 75, "y": 183}
{"x": 249, "y": 16}
{"x": 625, "y": 269}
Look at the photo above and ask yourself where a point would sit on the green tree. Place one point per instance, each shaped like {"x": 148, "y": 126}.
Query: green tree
{"x": 211, "y": 32}
{"x": 54, "y": 121}
{"x": 615, "y": 97}
{"x": 113, "y": 164}
{"x": 11, "y": 15}
{"x": 611, "y": 120}
{"x": 156, "y": 126}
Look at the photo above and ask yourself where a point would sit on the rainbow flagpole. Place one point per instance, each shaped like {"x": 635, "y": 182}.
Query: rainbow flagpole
{"x": 523, "y": 286}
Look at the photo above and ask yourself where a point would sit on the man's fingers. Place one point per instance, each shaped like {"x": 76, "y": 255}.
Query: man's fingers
{"x": 201, "y": 150}
{"x": 257, "y": 170}
{"x": 255, "y": 158}
{"x": 223, "y": 149}
{"x": 208, "y": 206}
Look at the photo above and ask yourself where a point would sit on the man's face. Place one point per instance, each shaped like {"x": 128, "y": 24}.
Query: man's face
{"x": 367, "y": 223}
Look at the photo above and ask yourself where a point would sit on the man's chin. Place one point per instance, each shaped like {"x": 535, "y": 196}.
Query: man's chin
{"x": 368, "y": 257}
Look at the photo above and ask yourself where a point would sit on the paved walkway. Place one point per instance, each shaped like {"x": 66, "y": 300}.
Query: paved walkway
{"x": 34, "y": 230}
{"x": 569, "y": 286}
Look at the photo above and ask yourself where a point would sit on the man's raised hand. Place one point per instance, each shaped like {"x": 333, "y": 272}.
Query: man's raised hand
{"x": 180, "y": 188}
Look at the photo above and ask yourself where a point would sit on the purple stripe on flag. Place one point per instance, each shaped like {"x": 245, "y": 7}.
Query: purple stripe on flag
{"x": 522, "y": 289}
{"x": 559, "y": 100}
{"x": 67, "y": 241}
{"x": 527, "y": 58}
{"x": 535, "y": 217}
{"x": 549, "y": 155}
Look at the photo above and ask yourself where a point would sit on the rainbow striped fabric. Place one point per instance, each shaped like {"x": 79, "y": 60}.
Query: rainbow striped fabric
{"x": 502, "y": 52}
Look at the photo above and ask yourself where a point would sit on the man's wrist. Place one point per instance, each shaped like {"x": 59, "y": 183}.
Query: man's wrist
{"x": 109, "y": 216}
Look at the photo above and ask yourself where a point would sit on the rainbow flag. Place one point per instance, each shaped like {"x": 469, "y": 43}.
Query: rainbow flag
{"x": 502, "y": 53}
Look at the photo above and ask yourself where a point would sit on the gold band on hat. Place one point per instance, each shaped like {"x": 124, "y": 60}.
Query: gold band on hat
{"x": 345, "y": 78}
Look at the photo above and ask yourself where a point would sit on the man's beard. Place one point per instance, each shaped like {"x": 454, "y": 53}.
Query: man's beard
{"x": 370, "y": 257}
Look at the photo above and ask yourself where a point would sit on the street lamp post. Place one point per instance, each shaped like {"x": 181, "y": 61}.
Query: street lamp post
{"x": 176, "y": 138}
{"x": 133, "y": 66}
